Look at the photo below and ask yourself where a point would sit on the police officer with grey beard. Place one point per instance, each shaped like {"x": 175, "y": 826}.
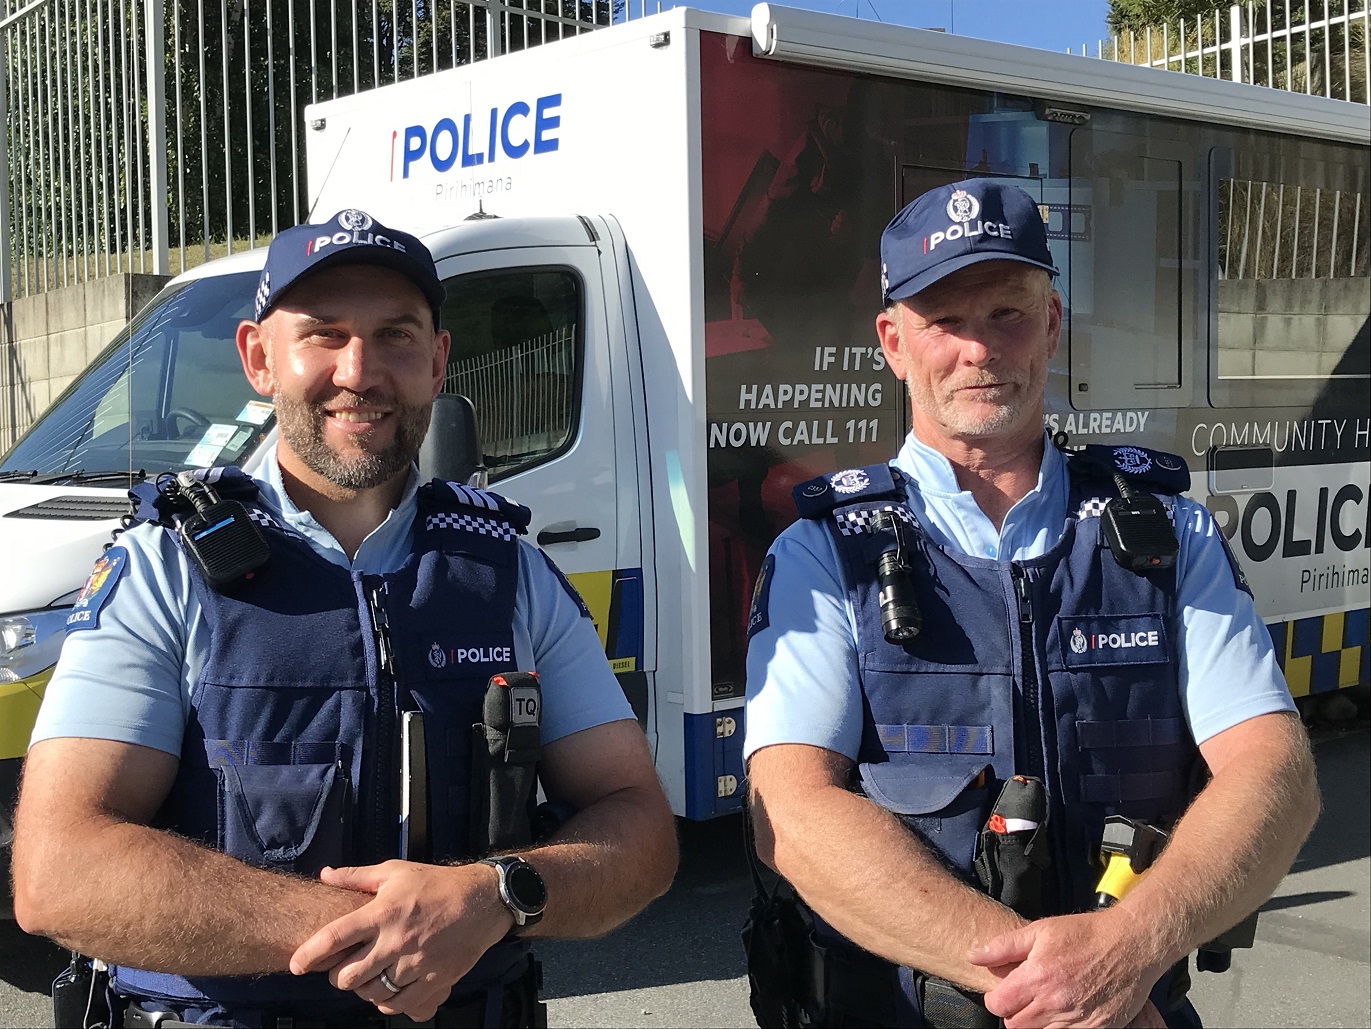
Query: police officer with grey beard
{"x": 979, "y": 621}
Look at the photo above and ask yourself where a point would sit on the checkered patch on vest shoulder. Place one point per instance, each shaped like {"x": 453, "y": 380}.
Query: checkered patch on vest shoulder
{"x": 1094, "y": 507}
{"x": 855, "y": 523}
{"x": 262, "y": 518}
{"x": 471, "y": 523}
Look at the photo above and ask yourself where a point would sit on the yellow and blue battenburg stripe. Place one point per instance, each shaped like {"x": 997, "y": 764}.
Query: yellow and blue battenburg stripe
{"x": 614, "y": 600}
{"x": 1325, "y": 652}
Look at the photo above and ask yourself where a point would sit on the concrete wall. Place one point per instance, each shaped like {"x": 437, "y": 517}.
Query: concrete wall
{"x": 1289, "y": 326}
{"x": 48, "y": 339}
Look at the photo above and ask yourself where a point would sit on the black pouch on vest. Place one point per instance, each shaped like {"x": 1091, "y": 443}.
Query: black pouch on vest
{"x": 78, "y": 995}
{"x": 1011, "y": 852}
{"x": 947, "y": 1006}
{"x": 776, "y": 942}
{"x": 504, "y": 764}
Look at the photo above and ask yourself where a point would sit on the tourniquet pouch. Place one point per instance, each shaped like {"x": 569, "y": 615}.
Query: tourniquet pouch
{"x": 943, "y": 798}
{"x": 281, "y": 805}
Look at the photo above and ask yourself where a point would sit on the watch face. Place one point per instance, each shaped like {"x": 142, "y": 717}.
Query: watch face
{"x": 526, "y": 887}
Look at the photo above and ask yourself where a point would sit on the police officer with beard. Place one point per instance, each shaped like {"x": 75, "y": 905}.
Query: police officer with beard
{"x": 933, "y": 628}
{"x": 210, "y": 800}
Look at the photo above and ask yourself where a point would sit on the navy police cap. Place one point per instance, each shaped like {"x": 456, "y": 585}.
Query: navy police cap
{"x": 954, "y": 226}
{"x": 349, "y": 237}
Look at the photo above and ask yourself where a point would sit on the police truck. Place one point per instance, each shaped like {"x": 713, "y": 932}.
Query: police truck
{"x": 659, "y": 243}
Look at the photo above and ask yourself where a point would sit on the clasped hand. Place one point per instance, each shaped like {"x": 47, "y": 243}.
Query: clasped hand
{"x": 425, "y": 927}
{"x": 1071, "y": 970}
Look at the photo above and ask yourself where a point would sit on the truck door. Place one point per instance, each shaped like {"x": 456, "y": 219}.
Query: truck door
{"x": 534, "y": 348}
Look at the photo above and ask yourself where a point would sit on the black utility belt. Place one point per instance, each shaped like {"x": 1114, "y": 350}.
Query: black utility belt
{"x": 464, "y": 1013}
{"x": 520, "y": 1006}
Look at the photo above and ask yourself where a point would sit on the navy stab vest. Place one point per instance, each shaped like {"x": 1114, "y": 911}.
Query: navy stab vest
{"x": 1063, "y": 666}
{"x": 290, "y": 757}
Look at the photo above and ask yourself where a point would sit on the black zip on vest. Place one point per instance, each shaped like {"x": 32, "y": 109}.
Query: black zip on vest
{"x": 1031, "y": 744}
{"x": 384, "y": 828}
{"x": 1032, "y": 721}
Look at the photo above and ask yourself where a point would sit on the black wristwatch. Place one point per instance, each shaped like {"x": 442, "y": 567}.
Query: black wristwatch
{"x": 521, "y": 889}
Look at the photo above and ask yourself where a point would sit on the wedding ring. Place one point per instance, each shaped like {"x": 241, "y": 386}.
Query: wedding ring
{"x": 385, "y": 981}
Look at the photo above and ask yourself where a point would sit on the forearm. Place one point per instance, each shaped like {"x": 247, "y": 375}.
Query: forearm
{"x": 606, "y": 863}
{"x": 1231, "y": 849}
{"x": 137, "y": 896}
{"x": 937, "y": 917}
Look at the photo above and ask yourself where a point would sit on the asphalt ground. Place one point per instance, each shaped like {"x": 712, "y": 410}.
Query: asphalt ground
{"x": 679, "y": 963}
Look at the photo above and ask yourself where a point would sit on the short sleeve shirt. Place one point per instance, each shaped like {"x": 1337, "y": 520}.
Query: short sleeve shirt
{"x": 802, "y": 666}
{"x": 132, "y": 677}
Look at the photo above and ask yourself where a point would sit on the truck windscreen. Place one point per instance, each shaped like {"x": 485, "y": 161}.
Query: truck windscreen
{"x": 167, "y": 394}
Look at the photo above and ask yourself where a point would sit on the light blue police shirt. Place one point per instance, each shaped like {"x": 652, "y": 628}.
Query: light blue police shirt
{"x": 802, "y": 681}
{"x": 131, "y": 678}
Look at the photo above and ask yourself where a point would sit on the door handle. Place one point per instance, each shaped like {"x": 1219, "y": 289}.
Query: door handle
{"x": 569, "y": 536}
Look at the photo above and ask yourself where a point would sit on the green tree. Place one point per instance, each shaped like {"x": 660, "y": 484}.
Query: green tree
{"x": 1139, "y": 15}
{"x": 1331, "y": 63}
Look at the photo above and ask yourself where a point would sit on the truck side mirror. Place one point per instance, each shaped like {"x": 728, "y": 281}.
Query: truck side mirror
{"x": 452, "y": 449}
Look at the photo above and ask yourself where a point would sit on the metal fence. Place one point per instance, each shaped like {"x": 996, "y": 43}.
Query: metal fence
{"x": 1317, "y": 48}
{"x": 1274, "y": 230}
{"x": 152, "y": 135}
{"x": 523, "y": 394}
{"x": 1278, "y": 231}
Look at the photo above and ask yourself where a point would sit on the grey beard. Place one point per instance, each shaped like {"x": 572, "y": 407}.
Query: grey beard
{"x": 302, "y": 428}
{"x": 961, "y": 422}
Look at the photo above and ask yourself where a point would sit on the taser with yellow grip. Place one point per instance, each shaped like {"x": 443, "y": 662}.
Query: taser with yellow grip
{"x": 1127, "y": 849}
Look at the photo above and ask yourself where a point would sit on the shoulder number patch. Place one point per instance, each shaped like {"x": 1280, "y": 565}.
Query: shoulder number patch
{"x": 1239, "y": 579}
{"x": 759, "y": 616}
{"x": 571, "y": 590}
{"x": 85, "y": 613}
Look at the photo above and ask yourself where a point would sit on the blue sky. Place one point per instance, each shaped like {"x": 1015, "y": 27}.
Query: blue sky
{"x": 1049, "y": 24}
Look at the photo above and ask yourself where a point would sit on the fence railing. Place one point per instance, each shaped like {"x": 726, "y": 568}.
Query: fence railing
{"x": 1278, "y": 231}
{"x": 523, "y": 395}
{"x": 1317, "y": 48}
{"x": 152, "y": 135}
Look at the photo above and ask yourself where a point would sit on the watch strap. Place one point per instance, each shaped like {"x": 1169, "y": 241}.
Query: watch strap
{"x": 522, "y": 918}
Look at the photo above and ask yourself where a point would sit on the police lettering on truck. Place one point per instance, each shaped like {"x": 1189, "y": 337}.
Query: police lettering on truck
{"x": 510, "y": 134}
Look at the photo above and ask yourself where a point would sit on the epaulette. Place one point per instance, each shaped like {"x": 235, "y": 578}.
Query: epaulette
{"x": 151, "y": 503}
{"x": 454, "y": 505}
{"x": 822, "y": 494}
{"x": 1154, "y": 470}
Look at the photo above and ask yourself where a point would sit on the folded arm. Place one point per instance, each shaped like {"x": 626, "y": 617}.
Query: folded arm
{"x": 91, "y": 874}
{"x": 428, "y": 925}
{"x": 1236, "y": 842}
{"x": 886, "y": 892}
{"x": 1225, "y": 857}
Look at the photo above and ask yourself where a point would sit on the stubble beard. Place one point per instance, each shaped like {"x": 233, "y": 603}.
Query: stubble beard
{"x": 301, "y": 425}
{"x": 987, "y": 416}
